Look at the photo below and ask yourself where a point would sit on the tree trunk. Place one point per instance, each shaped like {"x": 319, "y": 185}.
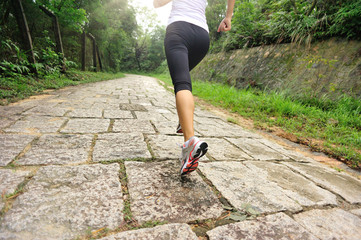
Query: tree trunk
{"x": 24, "y": 29}
{"x": 99, "y": 60}
{"x": 59, "y": 43}
{"x": 94, "y": 51}
{"x": 83, "y": 43}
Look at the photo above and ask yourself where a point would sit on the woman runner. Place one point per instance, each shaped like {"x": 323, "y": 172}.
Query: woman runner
{"x": 186, "y": 43}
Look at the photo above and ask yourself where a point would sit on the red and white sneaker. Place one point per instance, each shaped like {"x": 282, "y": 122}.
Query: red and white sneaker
{"x": 192, "y": 151}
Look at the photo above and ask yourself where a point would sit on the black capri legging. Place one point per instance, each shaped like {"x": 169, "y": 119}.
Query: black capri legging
{"x": 185, "y": 46}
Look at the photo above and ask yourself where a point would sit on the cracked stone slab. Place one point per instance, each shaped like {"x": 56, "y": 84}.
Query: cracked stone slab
{"x": 86, "y": 113}
{"x": 331, "y": 224}
{"x": 117, "y": 114}
{"x": 36, "y": 124}
{"x": 220, "y": 149}
{"x": 167, "y": 147}
{"x": 9, "y": 180}
{"x": 58, "y": 149}
{"x": 295, "y": 186}
{"x": 166, "y": 127}
{"x": 291, "y": 154}
{"x": 343, "y": 184}
{"x": 356, "y": 212}
{"x": 277, "y": 226}
{"x": 244, "y": 186}
{"x": 133, "y": 125}
{"x": 8, "y": 120}
{"x": 175, "y": 231}
{"x": 150, "y": 116}
{"x": 115, "y": 146}
{"x": 12, "y": 145}
{"x": 159, "y": 193}
{"x": 212, "y": 127}
{"x": 132, "y": 107}
{"x": 256, "y": 149}
{"x": 64, "y": 202}
{"x": 47, "y": 111}
{"x": 86, "y": 126}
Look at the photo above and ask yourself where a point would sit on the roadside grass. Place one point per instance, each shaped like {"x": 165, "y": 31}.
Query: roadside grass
{"x": 20, "y": 87}
{"x": 330, "y": 126}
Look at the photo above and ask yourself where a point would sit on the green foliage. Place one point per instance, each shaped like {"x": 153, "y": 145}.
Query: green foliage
{"x": 347, "y": 20}
{"x": 277, "y": 21}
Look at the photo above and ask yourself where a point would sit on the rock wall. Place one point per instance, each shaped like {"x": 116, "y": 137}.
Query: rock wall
{"x": 331, "y": 67}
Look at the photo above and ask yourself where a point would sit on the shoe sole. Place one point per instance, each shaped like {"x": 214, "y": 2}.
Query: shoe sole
{"x": 203, "y": 148}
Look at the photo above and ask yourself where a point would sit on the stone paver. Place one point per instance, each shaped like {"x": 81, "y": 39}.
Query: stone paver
{"x": 63, "y": 202}
{"x": 58, "y": 149}
{"x": 166, "y": 147}
{"x": 256, "y": 149}
{"x": 341, "y": 183}
{"x": 267, "y": 187}
{"x": 116, "y": 146}
{"x": 133, "y": 125}
{"x": 9, "y": 180}
{"x": 356, "y": 212}
{"x": 36, "y": 124}
{"x": 175, "y": 231}
{"x": 331, "y": 224}
{"x": 47, "y": 111}
{"x": 277, "y": 226}
{"x": 86, "y": 126}
{"x": 86, "y": 113}
{"x": 158, "y": 193}
{"x": 117, "y": 114}
{"x": 220, "y": 149}
{"x": 70, "y": 138}
{"x": 11, "y": 146}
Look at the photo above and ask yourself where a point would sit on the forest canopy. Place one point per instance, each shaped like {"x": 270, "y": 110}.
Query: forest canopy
{"x": 125, "y": 45}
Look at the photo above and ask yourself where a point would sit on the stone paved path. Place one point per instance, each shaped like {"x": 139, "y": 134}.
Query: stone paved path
{"x": 83, "y": 159}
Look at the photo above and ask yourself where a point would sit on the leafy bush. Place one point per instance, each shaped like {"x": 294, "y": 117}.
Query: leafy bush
{"x": 258, "y": 22}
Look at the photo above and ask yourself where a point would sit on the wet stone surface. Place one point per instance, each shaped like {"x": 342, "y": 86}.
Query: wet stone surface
{"x": 11, "y": 146}
{"x": 63, "y": 202}
{"x": 58, "y": 149}
{"x": 277, "y": 226}
{"x": 116, "y": 146}
{"x": 159, "y": 193}
{"x": 165, "y": 232}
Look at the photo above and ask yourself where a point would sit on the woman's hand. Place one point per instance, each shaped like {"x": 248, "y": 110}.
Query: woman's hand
{"x": 160, "y": 3}
{"x": 225, "y": 25}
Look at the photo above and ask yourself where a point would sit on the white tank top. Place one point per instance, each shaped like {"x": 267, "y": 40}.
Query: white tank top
{"x": 192, "y": 11}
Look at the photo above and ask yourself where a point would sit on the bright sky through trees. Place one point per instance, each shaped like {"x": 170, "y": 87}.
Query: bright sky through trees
{"x": 162, "y": 13}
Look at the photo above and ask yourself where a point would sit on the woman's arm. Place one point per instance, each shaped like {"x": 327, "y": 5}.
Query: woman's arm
{"x": 160, "y": 3}
{"x": 226, "y": 22}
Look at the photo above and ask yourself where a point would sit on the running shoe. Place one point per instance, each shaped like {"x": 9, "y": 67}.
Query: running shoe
{"x": 192, "y": 151}
{"x": 179, "y": 129}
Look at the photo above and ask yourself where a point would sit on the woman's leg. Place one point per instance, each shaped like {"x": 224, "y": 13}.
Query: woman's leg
{"x": 185, "y": 109}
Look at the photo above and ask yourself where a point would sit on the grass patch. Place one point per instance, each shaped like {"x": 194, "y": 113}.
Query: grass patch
{"x": 14, "y": 89}
{"x": 331, "y": 126}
